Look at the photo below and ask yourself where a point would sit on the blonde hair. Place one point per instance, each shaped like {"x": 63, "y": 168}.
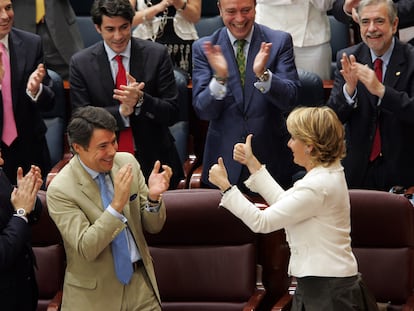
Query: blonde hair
{"x": 320, "y": 128}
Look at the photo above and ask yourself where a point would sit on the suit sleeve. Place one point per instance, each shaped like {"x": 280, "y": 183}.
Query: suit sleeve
{"x": 13, "y": 239}
{"x": 205, "y": 104}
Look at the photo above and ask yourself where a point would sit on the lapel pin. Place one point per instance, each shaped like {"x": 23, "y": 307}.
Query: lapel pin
{"x": 397, "y": 73}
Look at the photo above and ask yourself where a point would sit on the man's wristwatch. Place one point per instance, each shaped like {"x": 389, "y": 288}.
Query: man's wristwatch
{"x": 21, "y": 212}
{"x": 220, "y": 80}
{"x": 264, "y": 76}
{"x": 140, "y": 101}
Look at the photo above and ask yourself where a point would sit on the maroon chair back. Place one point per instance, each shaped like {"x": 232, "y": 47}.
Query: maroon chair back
{"x": 50, "y": 257}
{"x": 382, "y": 232}
{"x": 204, "y": 258}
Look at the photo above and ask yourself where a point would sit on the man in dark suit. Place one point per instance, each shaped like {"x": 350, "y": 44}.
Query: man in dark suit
{"x": 19, "y": 208}
{"x": 378, "y": 116}
{"x": 147, "y": 105}
{"x": 345, "y": 11}
{"x": 29, "y": 95}
{"x": 57, "y": 27}
{"x": 259, "y": 106}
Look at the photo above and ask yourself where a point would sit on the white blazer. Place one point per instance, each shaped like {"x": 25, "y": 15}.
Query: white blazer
{"x": 306, "y": 20}
{"x": 315, "y": 213}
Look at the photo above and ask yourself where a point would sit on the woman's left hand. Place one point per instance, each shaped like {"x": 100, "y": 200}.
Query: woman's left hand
{"x": 218, "y": 175}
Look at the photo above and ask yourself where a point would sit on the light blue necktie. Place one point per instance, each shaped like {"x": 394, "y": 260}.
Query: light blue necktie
{"x": 122, "y": 259}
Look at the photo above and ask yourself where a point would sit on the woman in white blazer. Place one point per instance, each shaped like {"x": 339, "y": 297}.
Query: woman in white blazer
{"x": 308, "y": 23}
{"x": 315, "y": 212}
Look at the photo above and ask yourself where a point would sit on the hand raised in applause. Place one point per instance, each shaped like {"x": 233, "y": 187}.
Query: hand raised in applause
{"x": 216, "y": 59}
{"x": 122, "y": 186}
{"x": 260, "y": 61}
{"x": 35, "y": 79}
{"x": 129, "y": 95}
{"x": 349, "y": 74}
{"x": 24, "y": 195}
{"x": 159, "y": 181}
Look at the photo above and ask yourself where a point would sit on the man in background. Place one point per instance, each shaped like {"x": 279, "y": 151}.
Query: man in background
{"x": 245, "y": 82}
{"x": 373, "y": 95}
{"x": 25, "y": 91}
{"x": 55, "y": 22}
{"x": 134, "y": 80}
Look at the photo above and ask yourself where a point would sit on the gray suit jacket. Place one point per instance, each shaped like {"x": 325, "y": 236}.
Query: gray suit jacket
{"x": 87, "y": 229}
{"x": 60, "y": 20}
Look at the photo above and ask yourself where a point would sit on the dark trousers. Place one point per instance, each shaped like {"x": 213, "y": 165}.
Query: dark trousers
{"x": 332, "y": 294}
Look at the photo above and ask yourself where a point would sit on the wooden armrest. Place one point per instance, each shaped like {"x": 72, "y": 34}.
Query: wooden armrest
{"x": 284, "y": 303}
{"x": 255, "y": 300}
{"x": 58, "y": 166}
{"x": 195, "y": 178}
{"x": 188, "y": 168}
{"x": 259, "y": 292}
{"x": 56, "y": 302}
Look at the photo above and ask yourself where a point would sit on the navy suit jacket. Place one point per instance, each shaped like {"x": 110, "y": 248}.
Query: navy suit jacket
{"x": 246, "y": 110}
{"x": 396, "y": 118}
{"x": 91, "y": 83}
{"x": 25, "y": 50}
{"x": 18, "y": 289}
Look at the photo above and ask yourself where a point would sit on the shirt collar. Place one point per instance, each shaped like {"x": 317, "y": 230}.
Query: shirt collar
{"x": 386, "y": 56}
{"x": 111, "y": 54}
{"x": 5, "y": 41}
{"x": 94, "y": 174}
{"x": 233, "y": 38}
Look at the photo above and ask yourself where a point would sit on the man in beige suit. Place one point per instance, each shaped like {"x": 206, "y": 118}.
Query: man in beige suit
{"x": 90, "y": 227}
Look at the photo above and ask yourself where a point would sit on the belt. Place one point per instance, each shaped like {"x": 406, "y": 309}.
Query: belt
{"x": 137, "y": 264}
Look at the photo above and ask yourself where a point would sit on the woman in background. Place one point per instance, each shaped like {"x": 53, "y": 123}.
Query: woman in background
{"x": 170, "y": 22}
{"x": 308, "y": 23}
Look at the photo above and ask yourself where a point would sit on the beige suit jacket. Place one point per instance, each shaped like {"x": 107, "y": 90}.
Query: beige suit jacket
{"x": 75, "y": 205}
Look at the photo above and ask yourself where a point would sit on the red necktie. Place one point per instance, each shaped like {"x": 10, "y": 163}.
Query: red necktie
{"x": 9, "y": 133}
{"x": 126, "y": 139}
{"x": 376, "y": 145}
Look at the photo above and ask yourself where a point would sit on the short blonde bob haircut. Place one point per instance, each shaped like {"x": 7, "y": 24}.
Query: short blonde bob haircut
{"x": 318, "y": 127}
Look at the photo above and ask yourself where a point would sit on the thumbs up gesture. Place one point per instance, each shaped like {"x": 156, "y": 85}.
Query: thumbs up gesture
{"x": 243, "y": 154}
{"x": 218, "y": 175}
